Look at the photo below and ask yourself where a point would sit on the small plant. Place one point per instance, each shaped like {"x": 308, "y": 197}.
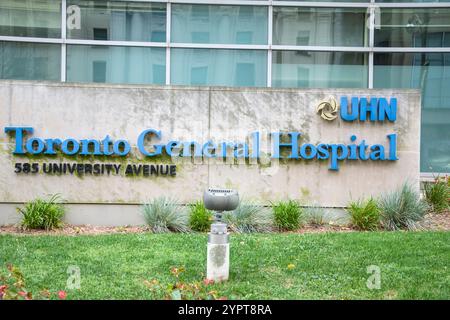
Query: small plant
{"x": 165, "y": 215}
{"x": 200, "y": 218}
{"x": 248, "y": 218}
{"x": 182, "y": 290}
{"x": 365, "y": 215}
{"x": 315, "y": 216}
{"x": 437, "y": 195}
{"x": 402, "y": 209}
{"x": 288, "y": 215}
{"x": 42, "y": 214}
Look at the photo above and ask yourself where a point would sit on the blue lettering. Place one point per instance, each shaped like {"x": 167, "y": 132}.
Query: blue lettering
{"x": 141, "y": 143}
{"x": 293, "y": 145}
{"x": 353, "y": 115}
{"x": 19, "y": 137}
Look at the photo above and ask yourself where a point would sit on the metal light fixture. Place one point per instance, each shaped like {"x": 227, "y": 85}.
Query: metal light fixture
{"x": 218, "y": 251}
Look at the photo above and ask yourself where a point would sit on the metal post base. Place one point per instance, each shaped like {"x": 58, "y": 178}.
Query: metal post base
{"x": 218, "y": 253}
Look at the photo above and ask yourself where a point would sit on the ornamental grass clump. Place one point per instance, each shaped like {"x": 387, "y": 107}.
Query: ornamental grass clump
{"x": 437, "y": 195}
{"x": 402, "y": 209}
{"x": 288, "y": 215}
{"x": 165, "y": 215}
{"x": 42, "y": 213}
{"x": 364, "y": 215}
{"x": 200, "y": 218}
{"x": 315, "y": 216}
{"x": 248, "y": 218}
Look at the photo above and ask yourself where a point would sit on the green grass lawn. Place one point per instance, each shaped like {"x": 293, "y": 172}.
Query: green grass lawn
{"x": 414, "y": 265}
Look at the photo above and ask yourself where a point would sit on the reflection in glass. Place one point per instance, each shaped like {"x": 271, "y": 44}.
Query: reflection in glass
{"x": 319, "y": 26}
{"x": 306, "y": 69}
{"x": 431, "y": 73}
{"x": 413, "y": 27}
{"x": 30, "y": 18}
{"x": 30, "y": 61}
{"x": 116, "y": 64}
{"x": 219, "y": 24}
{"x": 116, "y": 20}
{"x": 245, "y": 68}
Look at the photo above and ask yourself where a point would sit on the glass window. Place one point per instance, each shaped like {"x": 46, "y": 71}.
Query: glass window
{"x": 30, "y": 18}
{"x": 308, "y": 69}
{"x": 219, "y": 24}
{"x": 30, "y": 61}
{"x": 319, "y": 26}
{"x": 116, "y": 64}
{"x": 116, "y": 20}
{"x": 413, "y": 27}
{"x": 431, "y": 73}
{"x": 243, "y": 68}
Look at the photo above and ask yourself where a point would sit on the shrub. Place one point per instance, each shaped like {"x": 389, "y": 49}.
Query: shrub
{"x": 365, "y": 215}
{"x": 42, "y": 213}
{"x": 402, "y": 209}
{"x": 437, "y": 195}
{"x": 248, "y": 218}
{"x": 288, "y": 215}
{"x": 164, "y": 215}
{"x": 315, "y": 215}
{"x": 200, "y": 218}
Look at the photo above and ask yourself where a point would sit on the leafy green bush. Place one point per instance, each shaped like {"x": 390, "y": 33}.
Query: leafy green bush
{"x": 365, "y": 215}
{"x": 288, "y": 215}
{"x": 248, "y": 218}
{"x": 402, "y": 209}
{"x": 165, "y": 215}
{"x": 437, "y": 195}
{"x": 200, "y": 218}
{"x": 42, "y": 213}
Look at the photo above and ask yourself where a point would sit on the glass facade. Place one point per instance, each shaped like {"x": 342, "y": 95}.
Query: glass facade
{"x": 116, "y": 20}
{"x": 29, "y": 18}
{"x": 241, "y": 68}
{"x": 417, "y": 27}
{"x": 308, "y": 69}
{"x": 304, "y": 26}
{"x": 219, "y": 24}
{"x": 305, "y": 44}
{"x": 30, "y": 61}
{"x": 431, "y": 73}
{"x": 116, "y": 64}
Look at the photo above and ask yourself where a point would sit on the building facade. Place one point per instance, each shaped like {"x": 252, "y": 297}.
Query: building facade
{"x": 251, "y": 43}
{"x": 131, "y": 100}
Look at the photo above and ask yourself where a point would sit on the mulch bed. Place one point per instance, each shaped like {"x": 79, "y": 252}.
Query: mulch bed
{"x": 432, "y": 222}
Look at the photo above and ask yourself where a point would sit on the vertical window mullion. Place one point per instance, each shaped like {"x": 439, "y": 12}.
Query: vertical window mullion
{"x": 371, "y": 25}
{"x": 63, "y": 37}
{"x": 269, "y": 42}
{"x": 168, "y": 31}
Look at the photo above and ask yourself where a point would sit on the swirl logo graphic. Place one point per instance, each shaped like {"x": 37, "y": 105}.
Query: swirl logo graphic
{"x": 328, "y": 110}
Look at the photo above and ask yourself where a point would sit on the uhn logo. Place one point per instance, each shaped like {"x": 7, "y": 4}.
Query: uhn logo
{"x": 362, "y": 109}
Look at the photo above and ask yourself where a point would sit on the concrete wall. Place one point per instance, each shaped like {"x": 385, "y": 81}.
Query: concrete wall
{"x": 58, "y": 110}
